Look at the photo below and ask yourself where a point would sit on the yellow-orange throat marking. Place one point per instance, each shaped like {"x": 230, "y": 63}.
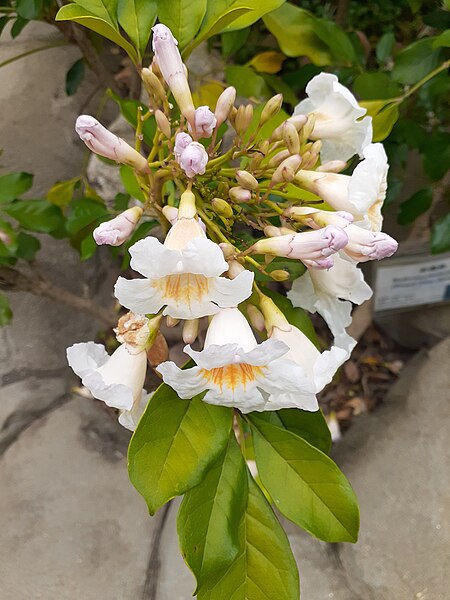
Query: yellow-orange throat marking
{"x": 232, "y": 376}
{"x": 186, "y": 287}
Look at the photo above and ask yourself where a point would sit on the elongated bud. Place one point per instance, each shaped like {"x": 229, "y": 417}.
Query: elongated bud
{"x": 221, "y": 207}
{"x": 298, "y": 121}
{"x": 290, "y": 137}
{"x": 152, "y": 84}
{"x": 332, "y": 166}
{"x": 364, "y": 245}
{"x": 309, "y": 245}
{"x": 320, "y": 263}
{"x": 308, "y": 127}
{"x": 306, "y": 158}
{"x": 227, "y": 250}
{"x": 280, "y": 275}
{"x": 278, "y": 158}
{"x": 287, "y": 169}
{"x": 105, "y": 143}
{"x": 315, "y": 218}
{"x": 224, "y": 105}
{"x": 234, "y": 269}
{"x": 163, "y": 123}
{"x": 167, "y": 55}
{"x": 187, "y": 208}
{"x": 272, "y": 231}
{"x": 271, "y": 108}
{"x": 190, "y": 331}
{"x": 171, "y": 322}
{"x": 232, "y": 116}
{"x": 240, "y": 194}
{"x": 246, "y": 180}
{"x": 119, "y": 229}
{"x": 171, "y": 213}
{"x": 256, "y": 317}
{"x": 243, "y": 119}
{"x": 205, "y": 122}
{"x": 193, "y": 159}
{"x": 182, "y": 141}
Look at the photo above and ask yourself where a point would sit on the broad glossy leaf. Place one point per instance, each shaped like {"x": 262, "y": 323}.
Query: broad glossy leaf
{"x": 385, "y": 46}
{"x": 78, "y": 14}
{"x": 341, "y": 48}
{"x": 247, "y": 82}
{"x": 305, "y": 484}
{"x": 375, "y": 86}
{"x": 279, "y": 86}
{"x": 210, "y": 515}
{"x": 27, "y": 246}
{"x": 384, "y": 121}
{"x": 232, "y": 41}
{"x": 415, "y": 61}
{"x": 295, "y": 31}
{"x": 440, "y": 236}
{"x": 75, "y": 76}
{"x": 105, "y": 9}
{"x": 442, "y": 40}
{"x": 130, "y": 183}
{"x": 18, "y": 26}
{"x": 268, "y": 62}
{"x": 62, "y": 192}
{"x": 174, "y": 445}
{"x": 415, "y": 206}
{"x": 84, "y": 212}
{"x": 29, "y": 9}
{"x": 36, "y": 215}
{"x": 5, "y": 311}
{"x": 183, "y": 17}
{"x": 13, "y": 185}
{"x": 265, "y": 566}
{"x": 436, "y": 155}
{"x": 137, "y": 17}
{"x": 259, "y": 9}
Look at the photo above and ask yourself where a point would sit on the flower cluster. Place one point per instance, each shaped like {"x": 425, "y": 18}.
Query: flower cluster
{"x": 239, "y": 213}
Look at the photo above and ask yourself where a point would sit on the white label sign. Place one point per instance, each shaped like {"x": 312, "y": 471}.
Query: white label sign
{"x": 424, "y": 281}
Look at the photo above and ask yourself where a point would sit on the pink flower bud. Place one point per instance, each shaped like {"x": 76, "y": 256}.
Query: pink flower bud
{"x": 168, "y": 57}
{"x": 204, "y": 121}
{"x": 287, "y": 169}
{"x": 367, "y": 245}
{"x": 171, "y": 213}
{"x": 182, "y": 141}
{"x": 224, "y": 105}
{"x": 240, "y": 194}
{"x": 5, "y": 238}
{"x": 119, "y": 229}
{"x": 105, "y": 143}
{"x": 322, "y": 263}
{"x": 193, "y": 159}
{"x": 310, "y": 245}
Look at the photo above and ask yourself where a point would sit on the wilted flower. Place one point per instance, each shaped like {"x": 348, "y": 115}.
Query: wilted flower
{"x": 119, "y": 229}
{"x": 183, "y": 274}
{"x": 336, "y": 113}
{"x": 236, "y": 371}
{"x": 105, "y": 143}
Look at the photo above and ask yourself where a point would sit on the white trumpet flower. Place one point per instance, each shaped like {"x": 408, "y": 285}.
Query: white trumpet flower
{"x": 336, "y": 113}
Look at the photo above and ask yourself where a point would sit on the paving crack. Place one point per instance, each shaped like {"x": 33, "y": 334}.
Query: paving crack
{"x": 20, "y": 420}
{"x": 150, "y": 589}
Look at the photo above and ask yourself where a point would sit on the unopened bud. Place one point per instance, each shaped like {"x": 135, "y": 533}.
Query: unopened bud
{"x": 232, "y": 116}
{"x": 171, "y": 322}
{"x": 271, "y": 108}
{"x": 290, "y": 137}
{"x": 187, "y": 208}
{"x": 182, "y": 141}
{"x": 280, "y": 275}
{"x": 168, "y": 57}
{"x": 193, "y": 159}
{"x": 272, "y": 231}
{"x": 243, "y": 119}
{"x": 117, "y": 231}
{"x": 158, "y": 351}
{"x": 171, "y": 213}
{"x": 332, "y": 166}
{"x": 287, "y": 169}
{"x": 278, "y": 158}
{"x": 234, "y": 269}
{"x": 222, "y": 188}
{"x": 256, "y": 317}
{"x": 240, "y": 194}
{"x": 163, "y": 123}
{"x": 105, "y": 143}
{"x": 190, "y": 331}
{"x": 308, "y": 127}
{"x": 224, "y": 105}
{"x": 152, "y": 84}
{"x": 227, "y": 250}
{"x": 298, "y": 121}
{"x": 5, "y": 238}
{"x": 316, "y": 147}
{"x": 204, "y": 121}
{"x": 221, "y": 207}
{"x": 246, "y": 180}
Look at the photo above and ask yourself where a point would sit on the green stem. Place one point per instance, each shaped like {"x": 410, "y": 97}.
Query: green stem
{"x": 419, "y": 84}
{"x": 212, "y": 226}
{"x": 33, "y": 51}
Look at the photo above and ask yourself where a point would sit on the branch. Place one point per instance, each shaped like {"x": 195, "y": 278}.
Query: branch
{"x": 16, "y": 281}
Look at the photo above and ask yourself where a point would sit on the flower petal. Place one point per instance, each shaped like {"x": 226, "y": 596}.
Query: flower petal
{"x": 264, "y": 353}
{"x": 202, "y": 256}
{"x": 85, "y": 357}
{"x": 153, "y": 260}
{"x": 138, "y": 295}
{"x": 213, "y": 356}
{"x": 228, "y": 293}
{"x": 186, "y": 382}
{"x": 115, "y": 395}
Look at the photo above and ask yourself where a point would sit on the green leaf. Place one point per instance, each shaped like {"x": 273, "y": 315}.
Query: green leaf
{"x": 415, "y": 61}
{"x": 440, "y": 236}
{"x": 279, "y": 86}
{"x": 174, "y": 445}
{"x": 436, "y": 159}
{"x": 75, "y": 76}
{"x": 183, "y": 17}
{"x": 259, "y": 9}
{"x": 27, "y": 247}
{"x": 306, "y": 485}
{"x": 84, "y": 212}
{"x": 5, "y": 311}
{"x": 29, "y": 9}
{"x": 375, "y": 86}
{"x": 210, "y": 514}
{"x": 104, "y": 9}
{"x": 216, "y": 24}
{"x": 385, "y": 46}
{"x": 296, "y": 316}
{"x": 129, "y": 109}
{"x": 3, "y": 22}
{"x": 73, "y": 12}
{"x": 18, "y": 26}
{"x": 384, "y": 121}
{"x": 419, "y": 203}
{"x": 339, "y": 43}
{"x": 35, "y": 215}
{"x": 137, "y": 17}
{"x": 247, "y": 82}
{"x": 294, "y": 29}
{"x": 130, "y": 183}
{"x": 62, "y": 192}
{"x": 265, "y": 567}
{"x": 13, "y": 185}
{"x": 442, "y": 40}
{"x": 233, "y": 41}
